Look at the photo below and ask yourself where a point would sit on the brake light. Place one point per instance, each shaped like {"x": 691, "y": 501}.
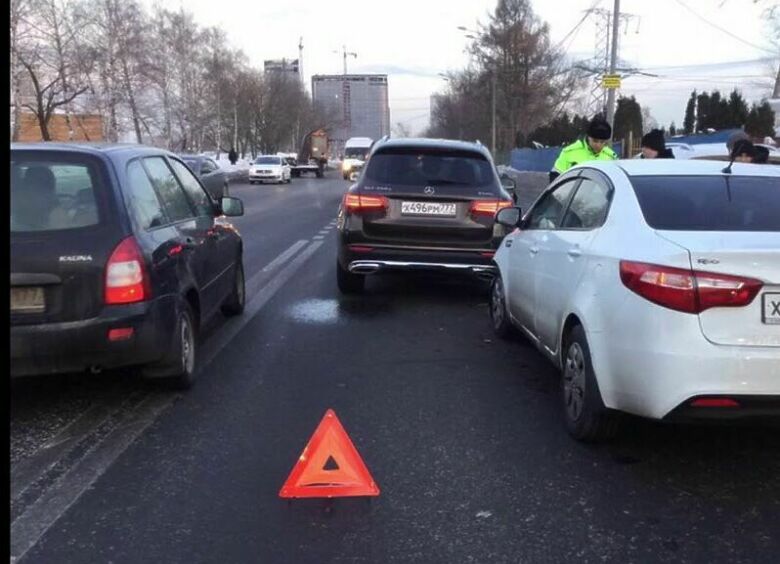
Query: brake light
{"x": 359, "y": 203}
{"x": 687, "y": 290}
{"x": 714, "y": 402}
{"x": 488, "y": 207}
{"x": 127, "y": 280}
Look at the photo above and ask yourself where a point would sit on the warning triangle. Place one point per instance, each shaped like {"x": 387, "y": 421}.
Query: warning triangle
{"x": 329, "y": 466}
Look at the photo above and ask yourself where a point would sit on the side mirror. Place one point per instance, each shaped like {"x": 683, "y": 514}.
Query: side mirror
{"x": 509, "y": 217}
{"x": 232, "y": 207}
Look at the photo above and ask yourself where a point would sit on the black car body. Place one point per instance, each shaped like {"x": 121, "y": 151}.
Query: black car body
{"x": 214, "y": 179}
{"x": 116, "y": 253}
{"x": 421, "y": 204}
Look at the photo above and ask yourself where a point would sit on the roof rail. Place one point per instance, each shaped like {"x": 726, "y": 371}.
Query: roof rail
{"x": 478, "y": 142}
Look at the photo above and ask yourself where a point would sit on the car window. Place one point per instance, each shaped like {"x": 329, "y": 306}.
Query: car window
{"x": 547, "y": 213}
{"x": 709, "y": 203}
{"x": 171, "y": 193}
{"x": 208, "y": 167}
{"x": 143, "y": 202}
{"x": 53, "y": 194}
{"x": 267, "y": 161}
{"x": 195, "y": 192}
{"x": 588, "y": 207}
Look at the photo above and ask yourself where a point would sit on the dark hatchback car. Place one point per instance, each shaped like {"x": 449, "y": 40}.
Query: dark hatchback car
{"x": 421, "y": 204}
{"x": 214, "y": 179}
{"x": 118, "y": 257}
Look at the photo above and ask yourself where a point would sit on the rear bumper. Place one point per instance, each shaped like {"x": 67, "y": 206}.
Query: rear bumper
{"x": 372, "y": 259}
{"x": 76, "y": 346}
{"x": 749, "y": 407}
{"x": 374, "y": 266}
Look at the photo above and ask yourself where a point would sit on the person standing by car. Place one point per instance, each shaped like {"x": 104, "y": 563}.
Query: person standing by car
{"x": 593, "y": 147}
{"x": 654, "y": 146}
{"x": 743, "y": 152}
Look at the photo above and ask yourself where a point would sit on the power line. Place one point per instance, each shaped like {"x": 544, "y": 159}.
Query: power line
{"x": 719, "y": 28}
{"x": 579, "y": 24}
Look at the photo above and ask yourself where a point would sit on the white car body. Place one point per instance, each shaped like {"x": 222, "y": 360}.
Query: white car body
{"x": 648, "y": 359}
{"x": 269, "y": 168}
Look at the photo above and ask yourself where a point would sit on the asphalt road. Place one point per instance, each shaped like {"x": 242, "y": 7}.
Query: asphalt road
{"x": 460, "y": 430}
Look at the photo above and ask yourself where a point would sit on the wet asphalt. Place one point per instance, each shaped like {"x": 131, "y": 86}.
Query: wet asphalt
{"x": 461, "y": 431}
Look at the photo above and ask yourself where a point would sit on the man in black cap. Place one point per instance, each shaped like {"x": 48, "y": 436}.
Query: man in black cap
{"x": 743, "y": 152}
{"x": 654, "y": 146}
{"x": 593, "y": 147}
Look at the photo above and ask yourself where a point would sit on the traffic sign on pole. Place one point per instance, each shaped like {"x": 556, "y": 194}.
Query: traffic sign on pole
{"x": 611, "y": 81}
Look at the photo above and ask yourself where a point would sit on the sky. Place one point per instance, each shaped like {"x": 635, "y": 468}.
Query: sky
{"x": 413, "y": 41}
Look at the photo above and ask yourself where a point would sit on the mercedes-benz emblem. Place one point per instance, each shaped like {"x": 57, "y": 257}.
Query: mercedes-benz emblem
{"x": 429, "y": 190}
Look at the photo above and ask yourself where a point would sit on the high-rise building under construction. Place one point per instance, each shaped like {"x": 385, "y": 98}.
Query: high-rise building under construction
{"x": 356, "y": 105}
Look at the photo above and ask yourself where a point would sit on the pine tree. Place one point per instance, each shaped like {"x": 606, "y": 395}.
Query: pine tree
{"x": 672, "y": 130}
{"x": 628, "y": 118}
{"x": 761, "y": 121}
{"x": 703, "y": 112}
{"x": 738, "y": 109}
{"x": 689, "y": 123}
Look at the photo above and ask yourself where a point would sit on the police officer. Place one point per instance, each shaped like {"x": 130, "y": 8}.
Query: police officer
{"x": 593, "y": 147}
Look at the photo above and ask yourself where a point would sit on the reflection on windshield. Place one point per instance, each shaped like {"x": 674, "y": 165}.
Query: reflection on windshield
{"x": 356, "y": 154}
{"x": 267, "y": 160}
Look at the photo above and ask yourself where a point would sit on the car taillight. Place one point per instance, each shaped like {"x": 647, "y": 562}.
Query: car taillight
{"x": 488, "y": 207}
{"x": 359, "y": 203}
{"x": 686, "y": 290}
{"x": 127, "y": 280}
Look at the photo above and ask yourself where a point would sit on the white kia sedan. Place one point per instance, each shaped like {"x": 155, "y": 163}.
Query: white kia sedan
{"x": 270, "y": 168}
{"x": 654, "y": 285}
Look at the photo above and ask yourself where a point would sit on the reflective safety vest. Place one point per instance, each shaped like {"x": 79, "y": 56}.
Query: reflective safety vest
{"x": 580, "y": 152}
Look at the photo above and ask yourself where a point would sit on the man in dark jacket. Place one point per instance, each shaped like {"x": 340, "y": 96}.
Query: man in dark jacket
{"x": 654, "y": 146}
{"x": 232, "y": 156}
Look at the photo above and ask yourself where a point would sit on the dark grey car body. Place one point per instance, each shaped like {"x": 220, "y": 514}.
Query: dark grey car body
{"x": 213, "y": 178}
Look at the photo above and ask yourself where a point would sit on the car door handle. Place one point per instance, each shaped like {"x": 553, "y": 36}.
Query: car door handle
{"x": 533, "y": 250}
{"x": 575, "y": 252}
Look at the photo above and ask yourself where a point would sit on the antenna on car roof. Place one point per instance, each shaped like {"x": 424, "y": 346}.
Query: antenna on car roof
{"x": 727, "y": 170}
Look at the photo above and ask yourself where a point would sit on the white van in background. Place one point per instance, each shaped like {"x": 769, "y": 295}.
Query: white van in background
{"x": 356, "y": 151}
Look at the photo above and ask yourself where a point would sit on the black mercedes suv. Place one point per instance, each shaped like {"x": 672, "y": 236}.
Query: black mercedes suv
{"x": 118, "y": 257}
{"x": 421, "y": 204}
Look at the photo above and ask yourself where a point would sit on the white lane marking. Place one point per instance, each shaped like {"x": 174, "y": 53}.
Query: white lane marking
{"x": 283, "y": 257}
{"x": 27, "y": 471}
{"x": 31, "y": 525}
{"x": 317, "y": 238}
{"x": 38, "y": 518}
{"x": 231, "y": 328}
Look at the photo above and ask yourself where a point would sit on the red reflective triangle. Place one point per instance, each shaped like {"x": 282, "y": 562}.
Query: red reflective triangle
{"x": 309, "y": 478}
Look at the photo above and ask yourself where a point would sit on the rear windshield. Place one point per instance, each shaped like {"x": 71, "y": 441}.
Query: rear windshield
{"x": 709, "y": 203}
{"x": 53, "y": 193}
{"x": 268, "y": 160}
{"x": 425, "y": 167}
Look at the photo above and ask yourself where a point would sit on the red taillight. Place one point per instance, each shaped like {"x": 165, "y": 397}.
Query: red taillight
{"x": 488, "y": 207}
{"x": 121, "y": 334}
{"x": 687, "y": 290}
{"x": 714, "y": 402}
{"x": 360, "y": 248}
{"x": 127, "y": 280}
{"x": 359, "y": 203}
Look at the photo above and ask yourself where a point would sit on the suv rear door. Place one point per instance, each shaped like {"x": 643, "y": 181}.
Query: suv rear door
{"x": 436, "y": 197}
{"x": 64, "y": 228}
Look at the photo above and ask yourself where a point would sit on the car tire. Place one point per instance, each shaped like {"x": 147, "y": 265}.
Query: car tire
{"x": 236, "y": 301}
{"x": 587, "y": 419}
{"x": 178, "y": 368}
{"x": 348, "y": 282}
{"x": 499, "y": 315}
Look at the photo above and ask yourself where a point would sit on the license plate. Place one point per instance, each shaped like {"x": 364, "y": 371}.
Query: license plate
{"x": 429, "y": 208}
{"x": 27, "y": 300}
{"x": 771, "y": 314}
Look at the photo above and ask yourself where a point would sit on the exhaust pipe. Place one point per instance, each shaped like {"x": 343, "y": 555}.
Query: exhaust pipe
{"x": 364, "y": 268}
{"x": 485, "y": 275}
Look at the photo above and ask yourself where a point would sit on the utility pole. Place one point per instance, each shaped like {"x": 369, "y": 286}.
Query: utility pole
{"x": 493, "y": 126}
{"x": 613, "y": 62}
{"x": 300, "y": 62}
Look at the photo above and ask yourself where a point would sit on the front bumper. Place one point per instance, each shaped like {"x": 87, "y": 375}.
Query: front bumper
{"x": 76, "y": 346}
{"x": 265, "y": 177}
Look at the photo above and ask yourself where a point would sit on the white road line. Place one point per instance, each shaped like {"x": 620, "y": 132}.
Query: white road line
{"x": 40, "y": 515}
{"x": 231, "y": 328}
{"x": 284, "y": 256}
{"x": 317, "y": 238}
{"x": 47, "y": 509}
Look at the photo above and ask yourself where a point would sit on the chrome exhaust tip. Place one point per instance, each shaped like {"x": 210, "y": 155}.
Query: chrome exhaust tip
{"x": 364, "y": 268}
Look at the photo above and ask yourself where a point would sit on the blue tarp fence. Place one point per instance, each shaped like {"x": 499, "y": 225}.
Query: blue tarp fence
{"x": 542, "y": 160}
